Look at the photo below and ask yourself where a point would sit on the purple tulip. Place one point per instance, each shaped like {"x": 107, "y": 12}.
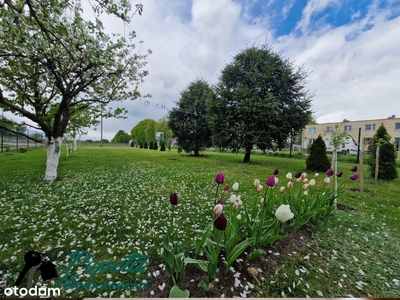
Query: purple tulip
{"x": 297, "y": 175}
{"x": 276, "y": 172}
{"x": 353, "y": 169}
{"x": 339, "y": 174}
{"x": 219, "y": 201}
{"x": 353, "y": 177}
{"x": 329, "y": 172}
{"x": 173, "y": 199}
{"x": 271, "y": 181}
{"x": 220, "y": 222}
{"x": 219, "y": 178}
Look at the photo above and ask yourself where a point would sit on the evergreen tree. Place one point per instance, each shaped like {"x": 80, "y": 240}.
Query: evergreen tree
{"x": 151, "y": 145}
{"x": 145, "y": 145}
{"x": 162, "y": 146}
{"x": 155, "y": 145}
{"x": 317, "y": 159}
{"x": 387, "y": 155}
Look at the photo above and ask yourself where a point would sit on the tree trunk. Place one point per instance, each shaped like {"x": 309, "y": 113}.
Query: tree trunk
{"x": 53, "y": 150}
{"x": 247, "y": 155}
{"x": 75, "y": 143}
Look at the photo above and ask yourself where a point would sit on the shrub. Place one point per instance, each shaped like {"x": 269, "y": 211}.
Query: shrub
{"x": 162, "y": 146}
{"x": 145, "y": 145}
{"x": 155, "y": 145}
{"x": 151, "y": 145}
{"x": 387, "y": 155}
{"x": 317, "y": 159}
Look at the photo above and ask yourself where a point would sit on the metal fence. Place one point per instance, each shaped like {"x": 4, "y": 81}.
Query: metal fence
{"x": 12, "y": 141}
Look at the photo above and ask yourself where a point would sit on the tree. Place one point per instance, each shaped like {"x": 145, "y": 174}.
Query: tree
{"x": 318, "y": 160}
{"x": 150, "y": 131}
{"x": 55, "y": 64}
{"x": 260, "y": 99}
{"x": 121, "y": 137}
{"x": 385, "y": 156}
{"x": 162, "y": 126}
{"x": 188, "y": 121}
{"x": 138, "y": 132}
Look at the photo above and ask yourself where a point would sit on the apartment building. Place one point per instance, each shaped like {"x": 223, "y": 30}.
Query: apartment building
{"x": 368, "y": 129}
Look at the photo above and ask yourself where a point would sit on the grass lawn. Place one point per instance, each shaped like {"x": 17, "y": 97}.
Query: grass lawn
{"x": 112, "y": 201}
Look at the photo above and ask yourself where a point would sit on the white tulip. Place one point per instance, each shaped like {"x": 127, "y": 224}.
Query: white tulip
{"x": 218, "y": 209}
{"x": 312, "y": 182}
{"x": 235, "y": 186}
{"x": 327, "y": 180}
{"x": 289, "y": 176}
{"x": 283, "y": 213}
{"x": 232, "y": 199}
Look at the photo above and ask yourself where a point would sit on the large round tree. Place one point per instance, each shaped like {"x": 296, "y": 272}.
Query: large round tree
{"x": 188, "y": 121}
{"x": 261, "y": 98}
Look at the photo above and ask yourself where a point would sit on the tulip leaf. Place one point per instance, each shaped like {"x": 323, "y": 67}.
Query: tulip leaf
{"x": 255, "y": 254}
{"x": 202, "y": 264}
{"x": 265, "y": 240}
{"x": 176, "y": 292}
{"x": 304, "y": 219}
{"x": 236, "y": 252}
{"x": 204, "y": 287}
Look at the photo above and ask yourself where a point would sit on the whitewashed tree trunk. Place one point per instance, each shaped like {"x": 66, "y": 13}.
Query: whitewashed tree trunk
{"x": 53, "y": 150}
{"x": 75, "y": 143}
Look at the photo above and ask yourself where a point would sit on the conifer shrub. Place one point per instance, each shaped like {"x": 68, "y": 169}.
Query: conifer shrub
{"x": 145, "y": 145}
{"x": 318, "y": 160}
{"x": 151, "y": 145}
{"x": 162, "y": 146}
{"x": 155, "y": 145}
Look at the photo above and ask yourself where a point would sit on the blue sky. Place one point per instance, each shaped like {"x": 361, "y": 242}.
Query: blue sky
{"x": 350, "y": 47}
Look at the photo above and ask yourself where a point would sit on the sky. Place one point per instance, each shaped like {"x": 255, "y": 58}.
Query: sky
{"x": 350, "y": 47}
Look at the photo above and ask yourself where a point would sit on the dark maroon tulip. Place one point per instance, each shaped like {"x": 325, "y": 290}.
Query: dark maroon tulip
{"x": 226, "y": 187}
{"x": 297, "y": 175}
{"x": 220, "y": 222}
{"x": 353, "y": 169}
{"x": 276, "y": 172}
{"x": 339, "y": 174}
{"x": 219, "y": 201}
{"x": 270, "y": 181}
{"x": 329, "y": 172}
{"x": 219, "y": 178}
{"x": 173, "y": 199}
{"x": 353, "y": 177}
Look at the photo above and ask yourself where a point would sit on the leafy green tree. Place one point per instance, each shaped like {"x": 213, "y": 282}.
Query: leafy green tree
{"x": 54, "y": 64}
{"x": 318, "y": 160}
{"x": 121, "y": 137}
{"x": 387, "y": 155}
{"x": 188, "y": 121}
{"x": 162, "y": 126}
{"x": 260, "y": 98}
{"x": 139, "y": 131}
{"x": 150, "y": 131}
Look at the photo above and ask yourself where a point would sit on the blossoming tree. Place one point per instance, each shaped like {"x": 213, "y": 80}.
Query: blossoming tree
{"x": 55, "y": 65}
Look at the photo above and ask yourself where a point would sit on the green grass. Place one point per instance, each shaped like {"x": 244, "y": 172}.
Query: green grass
{"x": 114, "y": 201}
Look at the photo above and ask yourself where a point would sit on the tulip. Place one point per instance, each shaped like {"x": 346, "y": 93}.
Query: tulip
{"x": 220, "y": 222}
{"x": 256, "y": 183}
{"x": 305, "y": 193}
{"x": 311, "y": 182}
{"x": 353, "y": 169}
{"x": 298, "y": 179}
{"x": 289, "y": 185}
{"x": 353, "y": 177}
{"x": 316, "y": 175}
{"x": 219, "y": 201}
{"x": 238, "y": 217}
{"x": 282, "y": 189}
{"x": 219, "y": 178}
{"x": 305, "y": 186}
{"x": 260, "y": 188}
{"x": 339, "y": 174}
{"x": 327, "y": 180}
{"x": 297, "y": 175}
{"x": 218, "y": 209}
{"x": 235, "y": 206}
{"x": 271, "y": 181}
{"x": 283, "y": 213}
{"x": 329, "y": 172}
{"x": 276, "y": 172}
{"x": 305, "y": 180}
{"x": 235, "y": 186}
{"x": 289, "y": 176}
{"x": 226, "y": 187}
{"x": 303, "y": 175}
{"x": 173, "y": 198}
{"x": 232, "y": 199}
{"x": 238, "y": 200}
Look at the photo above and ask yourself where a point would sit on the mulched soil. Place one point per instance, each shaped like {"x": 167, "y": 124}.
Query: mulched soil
{"x": 225, "y": 286}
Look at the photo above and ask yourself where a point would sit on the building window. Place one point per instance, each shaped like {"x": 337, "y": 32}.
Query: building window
{"x": 311, "y": 130}
{"x": 397, "y": 143}
{"x": 329, "y": 129}
{"x": 347, "y": 128}
{"x": 397, "y": 126}
{"x": 369, "y": 127}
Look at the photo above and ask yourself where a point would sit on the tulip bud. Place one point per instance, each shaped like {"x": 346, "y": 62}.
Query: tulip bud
{"x": 339, "y": 174}
{"x": 270, "y": 181}
{"x": 298, "y": 179}
{"x": 173, "y": 198}
{"x": 235, "y": 206}
{"x": 220, "y": 222}
{"x": 232, "y": 199}
{"x": 327, "y": 180}
{"x": 297, "y": 175}
{"x": 289, "y": 176}
{"x": 281, "y": 189}
{"x": 256, "y": 183}
{"x": 218, "y": 209}
{"x": 226, "y": 187}
{"x": 289, "y": 185}
{"x": 316, "y": 175}
{"x": 353, "y": 169}
{"x": 283, "y": 213}
{"x": 219, "y": 178}
{"x": 303, "y": 175}
{"x": 276, "y": 172}
{"x": 312, "y": 182}
{"x": 306, "y": 186}
{"x": 219, "y": 201}
{"x": 353, "y": 177}
{"x": 305, "y": 180}
{"x": 276, "y": 180}
{"x": 260, "y": 188}
{"x": 235, "y": 186}
{"x": 329, "y": 172}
